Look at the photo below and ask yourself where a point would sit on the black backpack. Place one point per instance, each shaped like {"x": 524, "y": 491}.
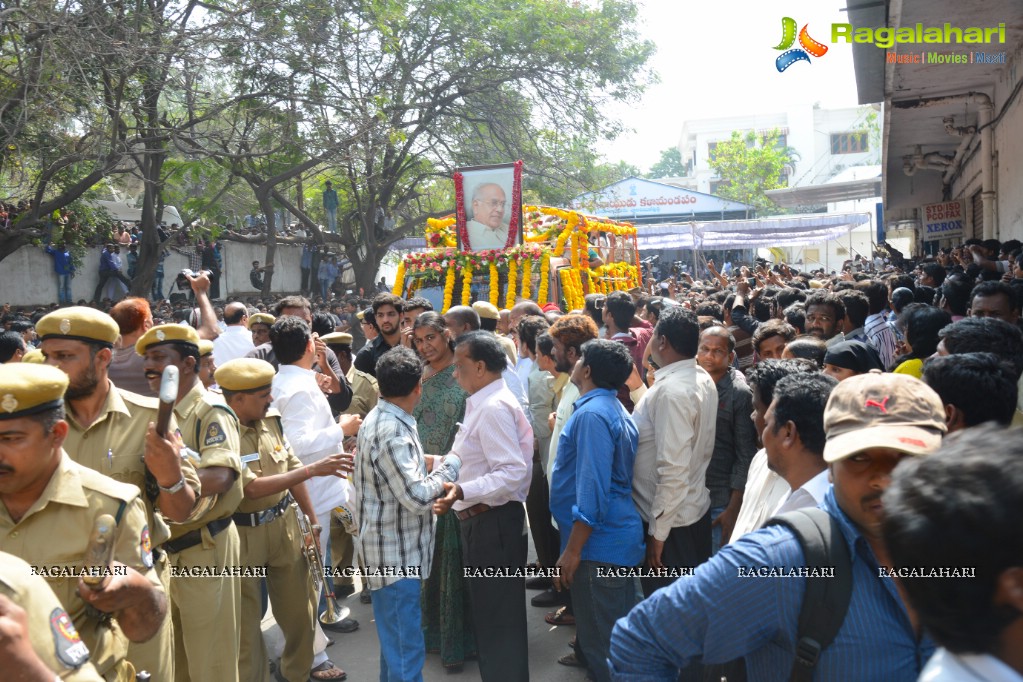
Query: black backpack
{"x": 826, "y": 601}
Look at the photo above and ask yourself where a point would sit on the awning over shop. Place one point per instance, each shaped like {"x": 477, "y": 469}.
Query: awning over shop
{"x": 789, "y": 230}
{"x": 809, "y": 195}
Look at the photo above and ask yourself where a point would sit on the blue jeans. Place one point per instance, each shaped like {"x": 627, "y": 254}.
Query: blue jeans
{"x": 598, "y": 601}
{"x": 715, "y": 531}
{"x": 157, "y": 293}
{"x": 400, "y": 631}
{"x": 331, "y": 219}
{"x": 63, "y": 289}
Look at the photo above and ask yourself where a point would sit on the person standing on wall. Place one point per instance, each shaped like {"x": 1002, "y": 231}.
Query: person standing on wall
{"x": 330, "y": 205}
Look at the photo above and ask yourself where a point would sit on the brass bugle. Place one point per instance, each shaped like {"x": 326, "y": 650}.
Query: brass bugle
{"x": 334, "y": 613}
{"x": 99, "y": 552}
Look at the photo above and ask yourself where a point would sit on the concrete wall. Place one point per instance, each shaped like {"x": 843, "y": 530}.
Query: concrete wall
{"x": 27, "y": 279}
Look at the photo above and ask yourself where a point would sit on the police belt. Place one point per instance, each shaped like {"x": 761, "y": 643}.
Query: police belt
{"x": 265, "y": 516}
{"x": 194, "y": 537}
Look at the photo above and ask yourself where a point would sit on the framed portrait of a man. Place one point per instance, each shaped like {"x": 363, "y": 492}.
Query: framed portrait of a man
{"x": 489, "y": 206}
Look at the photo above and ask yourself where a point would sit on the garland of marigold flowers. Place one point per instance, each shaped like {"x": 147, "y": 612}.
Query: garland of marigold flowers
{"x": 466, "y": 283}
{"x": 495, "y": 284}
{"x": 399, "y": 280}
{"x": 509, "y": 298}
{"x": 577, "y": 286}
{"x": 566, "y": 287}
{"x": 527, "y": 265}
{"x": 449, "y": 287}
{"x": 575, "y": 250}
{"x": 545, "y": 268}
{"x": 571, "y": 283}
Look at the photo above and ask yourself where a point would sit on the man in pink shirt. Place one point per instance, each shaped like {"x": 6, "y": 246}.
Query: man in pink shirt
{"x": 495, "y": 444}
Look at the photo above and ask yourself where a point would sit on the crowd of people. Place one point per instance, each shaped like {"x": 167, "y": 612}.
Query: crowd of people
{"x": 762, "y": 474}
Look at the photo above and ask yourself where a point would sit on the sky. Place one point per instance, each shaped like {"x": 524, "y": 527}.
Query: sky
{"x": 716, "y": 58}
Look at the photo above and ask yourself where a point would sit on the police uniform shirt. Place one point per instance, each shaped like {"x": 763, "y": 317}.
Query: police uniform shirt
{"x": 53, "y": 536}
{"x": 115, "y": 443}
{"x": 50, "y": 630}
{"x": 210, "y": 430}
{"x": 265, "y": 439}
{"x": 365, "y": 392}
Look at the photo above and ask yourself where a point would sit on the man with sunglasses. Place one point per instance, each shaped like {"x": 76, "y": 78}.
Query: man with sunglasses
{"x": 745, "y": 602}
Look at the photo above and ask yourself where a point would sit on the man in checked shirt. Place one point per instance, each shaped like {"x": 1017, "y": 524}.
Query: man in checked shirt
{"x": 396, "y": 493}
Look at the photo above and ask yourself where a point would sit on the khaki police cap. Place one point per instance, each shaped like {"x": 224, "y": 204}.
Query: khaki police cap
{"x": 30, "y": 389}
{"x": 205, "y": 347}
{"x": 79, "y": 323}
{"x": 261, "y": 318}
{"x": 34, "y": 357}
{"x": 167, "y": 333}
{"x": 337, "y": 339}
{"x": 486, "y": 310}
{"x": 244, "y": 374}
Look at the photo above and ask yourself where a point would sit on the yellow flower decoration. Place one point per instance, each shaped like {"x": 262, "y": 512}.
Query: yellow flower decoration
{"x": 399, "y": 280}
{"x": 527, "y": 265}
{"x": 545, "y": 269}
{"x": 495, "y": 284}
{"x": 467, "y": 284}
{"x": 449, "y": 287}
{"x": 509, "y": 298}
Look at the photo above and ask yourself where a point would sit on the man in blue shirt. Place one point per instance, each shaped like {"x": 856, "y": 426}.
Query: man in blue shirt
{"x": 109, "y": 266}
{"x": 591, "y": 494}
{"x": 64, "y": 268}
{"x": 330, "y": 205}
{"x": 732, "y": 607}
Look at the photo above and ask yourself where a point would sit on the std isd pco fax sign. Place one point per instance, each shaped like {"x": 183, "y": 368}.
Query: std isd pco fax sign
{"x": 943, "y": 221}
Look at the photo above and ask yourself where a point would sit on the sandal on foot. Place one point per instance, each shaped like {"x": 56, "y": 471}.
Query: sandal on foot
{"x": 327, "y": 671}
{"x": 560, "y": 617}
{"x": 571, "y": 661}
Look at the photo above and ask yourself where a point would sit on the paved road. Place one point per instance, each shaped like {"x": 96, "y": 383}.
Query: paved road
{"x": 358, "y": 653}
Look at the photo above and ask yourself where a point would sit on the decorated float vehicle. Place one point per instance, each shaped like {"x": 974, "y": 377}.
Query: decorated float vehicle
{"x": 563, "y": 255}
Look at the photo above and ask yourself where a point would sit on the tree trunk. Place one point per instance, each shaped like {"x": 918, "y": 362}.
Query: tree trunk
{"x": 149, "y": 254}
{"x": 263, "y": 197}
{"x": 365, "y": 271}
{"x": 14, "y": 240}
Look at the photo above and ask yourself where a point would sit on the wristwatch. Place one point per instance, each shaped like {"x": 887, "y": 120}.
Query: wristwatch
{"x": 174, "y": 488}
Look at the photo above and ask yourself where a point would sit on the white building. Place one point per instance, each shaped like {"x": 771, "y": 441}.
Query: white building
{"x": 827, "y": 141}
{"x": 951, "y": 131}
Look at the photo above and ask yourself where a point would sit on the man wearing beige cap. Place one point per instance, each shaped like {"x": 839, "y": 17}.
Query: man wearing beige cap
{"x": 746, "y": 601}
{"x": 109, "y": 431}
{"x": 259, "y": 326}
{"x": 205, "y": 609}
{"x": 489, "y": 316}
{"x": 274, "y": 481}
{"x": 48, "y": 508}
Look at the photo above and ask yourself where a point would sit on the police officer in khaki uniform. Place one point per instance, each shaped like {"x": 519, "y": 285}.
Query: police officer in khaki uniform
{"x": 48, "y": 505}
{"x": 206, "y": 364}
{"x": 364, "y": 386}
{"x": 489, "y": 312}
{"x": 205, "y": 609}
{"x": 107, "y": 429}
{"x": 259, "y": 325}
{"x": 273, "y": 479}
{"x": 29, "y": 644}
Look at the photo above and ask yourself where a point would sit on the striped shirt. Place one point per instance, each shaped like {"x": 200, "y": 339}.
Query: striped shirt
{"x": 881, "y": 337}
{"x": 718, "y": 615}
{"x": 395, "y": 496}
